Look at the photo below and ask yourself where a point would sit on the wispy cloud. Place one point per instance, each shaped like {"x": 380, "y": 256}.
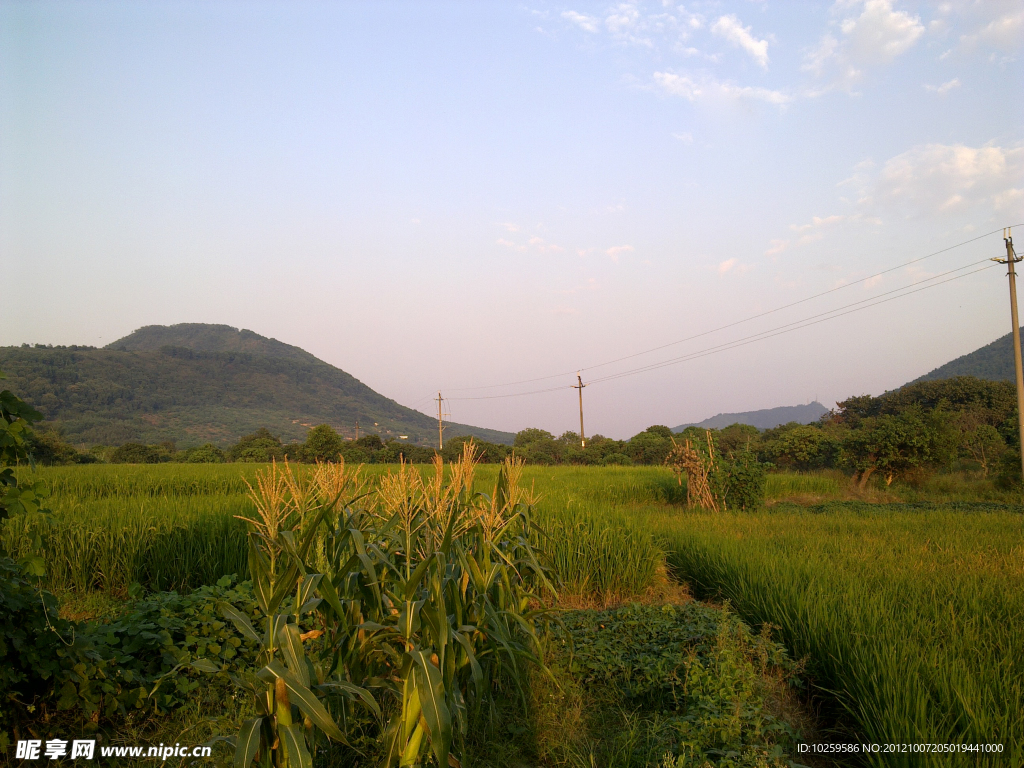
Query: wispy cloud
{"x": 588, "y": 23}
{"x": 732, "y": 29}
{"x": 733, "y": 265}
{"x": 710, "y": 88}
{"x": 616, "y": 250}
{"x": 945, "y": 88}
{"x": 871, "y": 33}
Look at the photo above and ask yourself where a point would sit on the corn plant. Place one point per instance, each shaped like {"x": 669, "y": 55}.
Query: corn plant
{"x": 425, "y": 592}
{"x": 290, "y": 685}
{"x": 429, "y": 593}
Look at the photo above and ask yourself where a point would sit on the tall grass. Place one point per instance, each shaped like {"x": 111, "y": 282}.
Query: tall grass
{"x": 914, "y": 618}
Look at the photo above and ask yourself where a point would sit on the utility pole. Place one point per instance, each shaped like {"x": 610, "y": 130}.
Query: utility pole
{"x": 580, "y": 385}
{"x": 440, "y": 425}
{"x": 1011, "y": 259}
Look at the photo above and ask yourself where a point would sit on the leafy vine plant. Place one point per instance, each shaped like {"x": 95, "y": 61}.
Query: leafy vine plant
{"x": 403, "y": 605}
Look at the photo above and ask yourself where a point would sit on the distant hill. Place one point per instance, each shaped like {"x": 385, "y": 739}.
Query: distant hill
{"x": 195, "y": 383}
{"x": 766, "y": 419}
{"x": 993, "y": 362}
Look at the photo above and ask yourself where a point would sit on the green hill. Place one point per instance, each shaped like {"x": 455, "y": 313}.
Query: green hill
{"x": 993, "y": 362}
{"x": 195, "y": 383}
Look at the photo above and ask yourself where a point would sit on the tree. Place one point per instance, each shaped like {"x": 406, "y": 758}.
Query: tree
{"x": 19, "y": 497}
{"x": 891, "y": 444}
{"x": 260, "y": 446}
{"x": 136, "y": 453}
{"x": 800, "y": 446}
{"x": 323, "y": 444}
{"x": 984, "y": 445}
{"x": 204, "y": 454}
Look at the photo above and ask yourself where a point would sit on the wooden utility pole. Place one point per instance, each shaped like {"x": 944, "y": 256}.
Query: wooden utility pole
{"x": 440, "y": 424}
{"x": 580, "y": 385}
{"x": 1011, "y": 259}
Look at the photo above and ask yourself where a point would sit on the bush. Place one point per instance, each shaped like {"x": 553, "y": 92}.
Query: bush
{"x": 744, "y": 481}
{"x": 28, "y": 645}
{"x": 619, "y": 459}
{"x": 204, "y": 454}
{"x": 136, "y": 453}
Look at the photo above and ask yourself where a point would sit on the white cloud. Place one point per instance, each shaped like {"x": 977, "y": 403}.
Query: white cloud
{"x": 616, "y": 250}
{"x": 817, "y": 222}
{"x": 880, "y": 34}
{"x": 874, "y": 34}
{"x": 941, "y": 178}
{"x": 588, "y": 23}
{"x": 686, "y": 87}
{"x": 732, "y": 29}
{"x": 1006, "y": 32}
{"x": 945, "y": 88}
{"x": 778, "y": 246}
{"x": 686, "y": 138}
{"x": 542, "y": 246}
{"x": 733, "y": 265}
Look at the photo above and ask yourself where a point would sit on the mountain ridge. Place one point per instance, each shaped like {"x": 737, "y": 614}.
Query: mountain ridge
{"x": 994, "y": 362}
{"x": 193, "y": 383}
{"x": 766, "y": 418}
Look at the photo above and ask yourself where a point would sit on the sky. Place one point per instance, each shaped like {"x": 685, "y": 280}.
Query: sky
{"x": 460, "y": 197}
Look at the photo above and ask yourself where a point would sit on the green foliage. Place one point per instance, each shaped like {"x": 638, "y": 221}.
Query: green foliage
{"x": 29, "y": 639}
{"x": 425, "y": 594}
{"x": 136, "y": 453}
{"x": 259, "y": 447}
{"x": 744, "y": 480}
{"x": 322, "y": 444}
{"x": 49, "y": 448}
{"x": 800, "y": 447}
{"x": 699, "y": 666}
{"x": 205, "y": 454}
{"x": 16, "y": 418}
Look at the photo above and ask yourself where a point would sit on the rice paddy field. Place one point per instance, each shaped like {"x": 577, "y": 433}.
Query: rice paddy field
{"x": 909, "y": 616}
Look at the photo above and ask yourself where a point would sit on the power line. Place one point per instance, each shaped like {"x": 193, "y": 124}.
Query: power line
{"x": 806, "y": 322}
{"x": 712, "y": 330}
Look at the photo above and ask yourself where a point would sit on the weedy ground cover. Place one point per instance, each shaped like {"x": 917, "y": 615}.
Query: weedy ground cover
{"x": 912, "y": 615}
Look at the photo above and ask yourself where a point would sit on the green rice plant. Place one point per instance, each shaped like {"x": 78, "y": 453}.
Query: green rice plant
{"x": 913, "y": 618}
{"x": 781, "y": 485}
{"x": 160, "y": 543}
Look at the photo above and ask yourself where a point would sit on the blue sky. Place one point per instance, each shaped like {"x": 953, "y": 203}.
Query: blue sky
{"x": 449, "y": 196}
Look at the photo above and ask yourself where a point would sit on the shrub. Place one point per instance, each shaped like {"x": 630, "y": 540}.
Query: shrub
{"x": 744, "y": 482}
{"x": 136, "y": 453}
{"x": 28, "y": 645}
{"x": 205, "y": 454}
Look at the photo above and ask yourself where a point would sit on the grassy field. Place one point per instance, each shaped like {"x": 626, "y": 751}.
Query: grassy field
{"x": 909, "y": 611}
{"x": 911, "y": 615}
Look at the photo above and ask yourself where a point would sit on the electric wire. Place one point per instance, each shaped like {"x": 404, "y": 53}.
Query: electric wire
{"x": 806, "y": 322}
{"x": 714, "y": 330}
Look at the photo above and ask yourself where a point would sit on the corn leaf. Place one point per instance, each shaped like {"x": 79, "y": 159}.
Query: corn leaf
{"x": 247, "y": 744}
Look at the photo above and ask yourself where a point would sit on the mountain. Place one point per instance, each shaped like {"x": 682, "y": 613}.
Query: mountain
{"x": 766, "y": 419}
{"x": 993, "y": 362}
{"x": 195, "y": 383}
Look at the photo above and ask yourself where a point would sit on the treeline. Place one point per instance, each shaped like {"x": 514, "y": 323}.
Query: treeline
{"x": 962, "y": 423}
